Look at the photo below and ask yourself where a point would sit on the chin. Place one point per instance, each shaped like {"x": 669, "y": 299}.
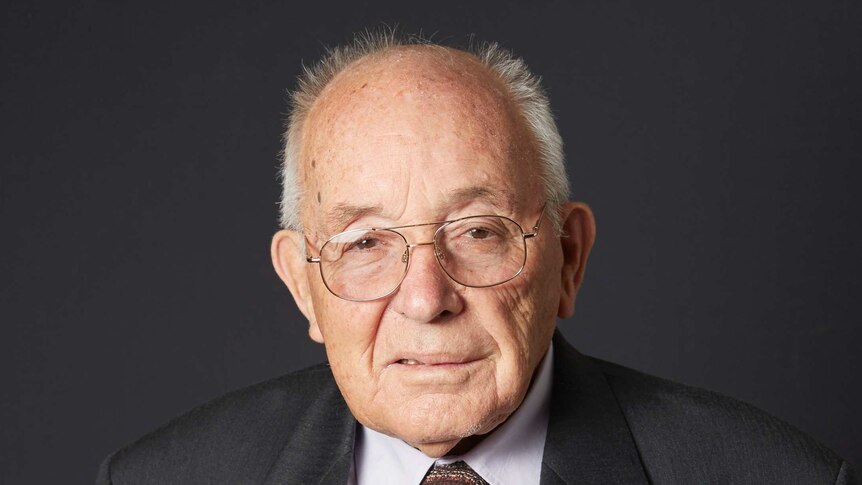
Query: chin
{"x": 443, "y": 419}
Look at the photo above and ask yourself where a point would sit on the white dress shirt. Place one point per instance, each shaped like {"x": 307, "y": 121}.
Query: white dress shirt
{"x": 510, "y": 455}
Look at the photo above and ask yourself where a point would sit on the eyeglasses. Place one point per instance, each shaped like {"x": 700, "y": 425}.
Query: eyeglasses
{"x": 476, "y": 251}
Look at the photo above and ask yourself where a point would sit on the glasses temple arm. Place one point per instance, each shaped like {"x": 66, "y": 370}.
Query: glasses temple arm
{"x": 308, "y": 259}
{"x": 535, "y": 232}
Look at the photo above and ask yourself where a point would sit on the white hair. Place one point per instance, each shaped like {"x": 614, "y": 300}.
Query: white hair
{"x": 524, "y": 88}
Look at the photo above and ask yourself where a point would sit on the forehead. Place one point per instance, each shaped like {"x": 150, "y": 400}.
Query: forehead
{"x": 407, "y": 129}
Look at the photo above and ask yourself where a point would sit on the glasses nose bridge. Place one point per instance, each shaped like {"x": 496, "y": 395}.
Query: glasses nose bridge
{"x": 413, "y": 245}
{"x": 410, "y": 245}
{"x": 432, "y": 241}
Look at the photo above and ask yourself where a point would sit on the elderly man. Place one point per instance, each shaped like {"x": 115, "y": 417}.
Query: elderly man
{"x": 429, "y": 242}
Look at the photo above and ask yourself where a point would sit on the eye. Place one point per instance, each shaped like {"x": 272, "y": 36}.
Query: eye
{"x": 479, "y": 233}
{"x": 363, "y": 244}
{"x": 475, "y": 230}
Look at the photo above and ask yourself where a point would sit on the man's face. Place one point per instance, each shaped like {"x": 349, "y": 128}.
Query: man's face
{"x": 407, "y": 138}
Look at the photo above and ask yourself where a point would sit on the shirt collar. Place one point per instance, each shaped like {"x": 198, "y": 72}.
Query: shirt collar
{"x": 511, "y": 454}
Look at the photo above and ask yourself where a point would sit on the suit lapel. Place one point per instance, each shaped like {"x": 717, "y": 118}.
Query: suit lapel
{"x": 320, "y": 450}
{"x": 588, "y": 439}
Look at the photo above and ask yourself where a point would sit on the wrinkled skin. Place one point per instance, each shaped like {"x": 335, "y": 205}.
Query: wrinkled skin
{"x": 417, "y": 135}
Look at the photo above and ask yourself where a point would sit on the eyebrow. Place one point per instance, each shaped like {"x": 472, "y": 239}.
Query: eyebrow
{"x": 475, "y": 192}
{"x": 341, "y": 214}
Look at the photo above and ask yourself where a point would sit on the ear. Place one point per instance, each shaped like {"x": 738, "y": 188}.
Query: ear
{"x": 288, "y": 259}
{"x": 578, "y": 234}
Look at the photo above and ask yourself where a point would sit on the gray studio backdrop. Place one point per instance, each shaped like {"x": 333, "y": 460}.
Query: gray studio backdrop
{"x": 718, "y": 143}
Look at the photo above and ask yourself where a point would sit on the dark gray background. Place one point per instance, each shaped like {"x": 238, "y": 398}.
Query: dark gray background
{"x": 718, "y": 143}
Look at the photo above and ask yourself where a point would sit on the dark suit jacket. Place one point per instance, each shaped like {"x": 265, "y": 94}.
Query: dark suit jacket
{"x": 608, "y": 425}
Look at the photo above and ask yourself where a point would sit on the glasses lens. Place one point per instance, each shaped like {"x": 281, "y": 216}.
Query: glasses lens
{"x": 481, "y": 251}
{"x": 363, "y": 264}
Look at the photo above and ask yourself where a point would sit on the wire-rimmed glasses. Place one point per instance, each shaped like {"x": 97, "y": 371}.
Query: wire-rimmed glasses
{"x": 476, "y": 251}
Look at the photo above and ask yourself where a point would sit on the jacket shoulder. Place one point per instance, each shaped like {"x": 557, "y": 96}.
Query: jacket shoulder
{"x": 690, "y": 435}
{"x": 232, "y": 439}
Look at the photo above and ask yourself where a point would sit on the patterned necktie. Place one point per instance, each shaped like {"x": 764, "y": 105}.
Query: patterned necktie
{"x": 458, "y": 473}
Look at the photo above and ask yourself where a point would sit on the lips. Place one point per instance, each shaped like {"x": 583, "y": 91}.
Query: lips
{"x": 433, "y": 360}
{"x": 432, "y": 372}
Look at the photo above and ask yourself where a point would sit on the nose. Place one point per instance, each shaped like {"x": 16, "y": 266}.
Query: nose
{"x": 426, "y": 294}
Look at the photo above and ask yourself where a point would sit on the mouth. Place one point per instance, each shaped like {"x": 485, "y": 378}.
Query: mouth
{"x": 435, "y": 372}
{"x": 436, "y": 361}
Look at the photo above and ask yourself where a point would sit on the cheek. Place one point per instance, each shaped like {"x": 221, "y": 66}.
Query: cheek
{"x": 349, "y": 334}
{"x": 526, "y": 319}
{"x": 348, "y": 327}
